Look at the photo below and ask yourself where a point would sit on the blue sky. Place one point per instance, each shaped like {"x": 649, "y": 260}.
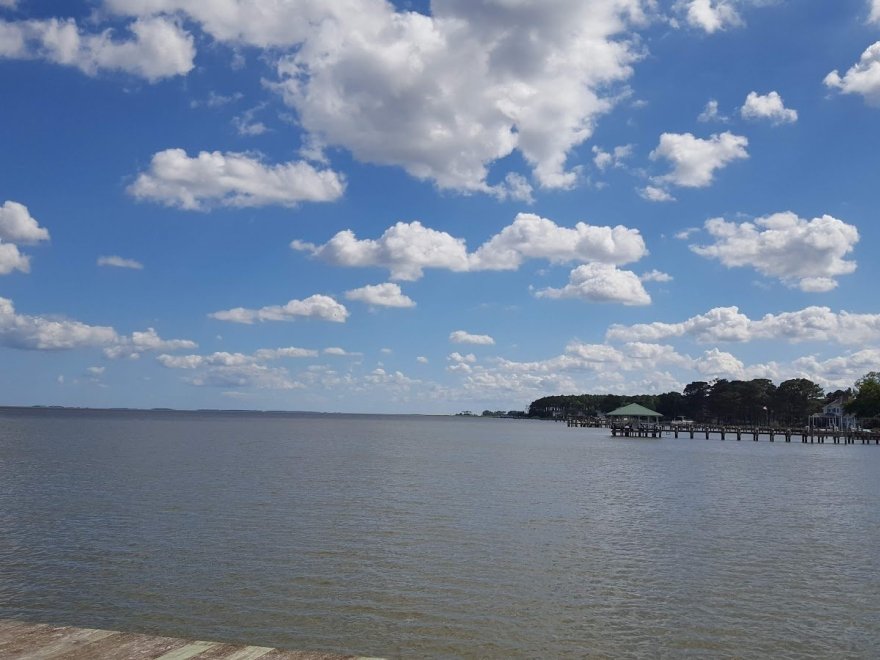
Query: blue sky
{"x": 366, "y": 206}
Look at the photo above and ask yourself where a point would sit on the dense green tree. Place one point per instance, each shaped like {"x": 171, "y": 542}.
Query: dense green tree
{"x": 754, "y": 401}
{"x": 722, "y": 402}
{"x": 671, "y": 404}
{"x": 796, "y": 399}
{"x": 758, "y": 400}
{"x": 839, "y": 394}
{"x": 866, "y": 402}
{"x": 696, "y": 398}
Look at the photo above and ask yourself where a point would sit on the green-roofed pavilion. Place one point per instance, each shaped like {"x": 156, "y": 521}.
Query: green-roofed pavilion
{"x": 634, "y": 410}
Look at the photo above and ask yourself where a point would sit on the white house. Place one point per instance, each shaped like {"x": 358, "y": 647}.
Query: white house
{"x": 835, "y": 417}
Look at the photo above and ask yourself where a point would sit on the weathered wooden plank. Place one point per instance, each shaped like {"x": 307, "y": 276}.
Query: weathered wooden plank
{"x": 36, "y": 641}
{"x": 247, "y": 653}
{"x": 21, "y": 639}
{"x": 42, "y": 642}
{"x": 186, "y": 652}
{"x": 72, "y": 640}
{"x": 127, "y": 646}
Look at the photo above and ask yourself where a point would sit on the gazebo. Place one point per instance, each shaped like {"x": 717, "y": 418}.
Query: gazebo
{"x": 633, "y": 413}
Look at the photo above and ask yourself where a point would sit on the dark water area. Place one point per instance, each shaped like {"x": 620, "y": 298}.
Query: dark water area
{"x": 438, "y": 537}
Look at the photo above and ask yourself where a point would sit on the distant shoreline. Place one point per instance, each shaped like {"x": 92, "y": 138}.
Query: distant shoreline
{"x": 194, "y": 411}
{"x": 218, "y": 411}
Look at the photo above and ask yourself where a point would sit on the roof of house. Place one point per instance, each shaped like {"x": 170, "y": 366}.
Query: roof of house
{"x": 634, "y": 410}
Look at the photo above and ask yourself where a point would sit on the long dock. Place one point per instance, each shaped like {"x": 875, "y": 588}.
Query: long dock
{"x": 772, "y": 433}
{"x": 806, "y": 435}
{"x": 20, "y": 640}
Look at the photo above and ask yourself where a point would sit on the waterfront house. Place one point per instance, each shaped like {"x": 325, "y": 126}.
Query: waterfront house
{"x": 835, "y": 417}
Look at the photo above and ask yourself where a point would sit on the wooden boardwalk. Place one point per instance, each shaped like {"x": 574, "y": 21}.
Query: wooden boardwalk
{"x": 804, "y": 435}
{"x": 771, "y": 433}
{"x": 36, "y": 641}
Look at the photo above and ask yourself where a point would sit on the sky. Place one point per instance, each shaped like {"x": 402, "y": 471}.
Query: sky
{"x": 427, "y": 207}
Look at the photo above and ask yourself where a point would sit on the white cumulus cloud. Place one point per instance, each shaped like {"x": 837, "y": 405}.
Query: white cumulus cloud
{"x": 837, "y": 372}
{"x": 655, "y": 276}
{"x": 655, "y": 194}
{"x": 12, "y": 259}
{"x": 286, "y": 352}
{"x": 18, "y": 226}
{"x": 461, "y": 363}
{"x": 533, "y": 237}
{"x": 863, "y": 77}
{"x": 317, "y": 306}
{"x": 716, "y": 363}
{"x": 443, "y": 95}
{"x": 711, "y": 112}
{"x": 52, "y": 333}
{"x": 719, "y": 324}
{"x": 695, "y": 160}
{"x": 729, "y": 324}
{"x": 808, "y": 254}
{"x": 116, "y": 261}
{"x": 769, "y": 106}
{"x": 710, "y": 15}
{"x": 406, "y": 249}
{"x": 46, "y": 333}
{"x": 463, "y": 337}
{"x": 222, "y": 359}
{"x": 685, "y": 234}
{"x": 239, "y": 370}
{"x": 157, "y": 47}
{"x": 257, "y": 376}
{"x": 148, "y": 340}
{"x": 387, "y": 294}
{"x": 601, "y": 283}
{"x": 614, "y": 158}
{"x": 232, "y": 179}
{"x": 337, "y": 351}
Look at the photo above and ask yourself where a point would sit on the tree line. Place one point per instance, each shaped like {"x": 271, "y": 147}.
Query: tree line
{"x": 721, "y": 401}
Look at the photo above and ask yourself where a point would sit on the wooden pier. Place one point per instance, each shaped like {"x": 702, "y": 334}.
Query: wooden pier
{"x": 805, "y": 435}
{"x": 754, "y": 433}
{"x": 31, "y": 641}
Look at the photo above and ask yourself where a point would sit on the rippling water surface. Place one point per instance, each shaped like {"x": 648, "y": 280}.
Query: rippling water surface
{"x": 415, "y": 536}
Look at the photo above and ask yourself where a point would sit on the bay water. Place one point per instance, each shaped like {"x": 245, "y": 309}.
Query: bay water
{"x": 408, "y": 536}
